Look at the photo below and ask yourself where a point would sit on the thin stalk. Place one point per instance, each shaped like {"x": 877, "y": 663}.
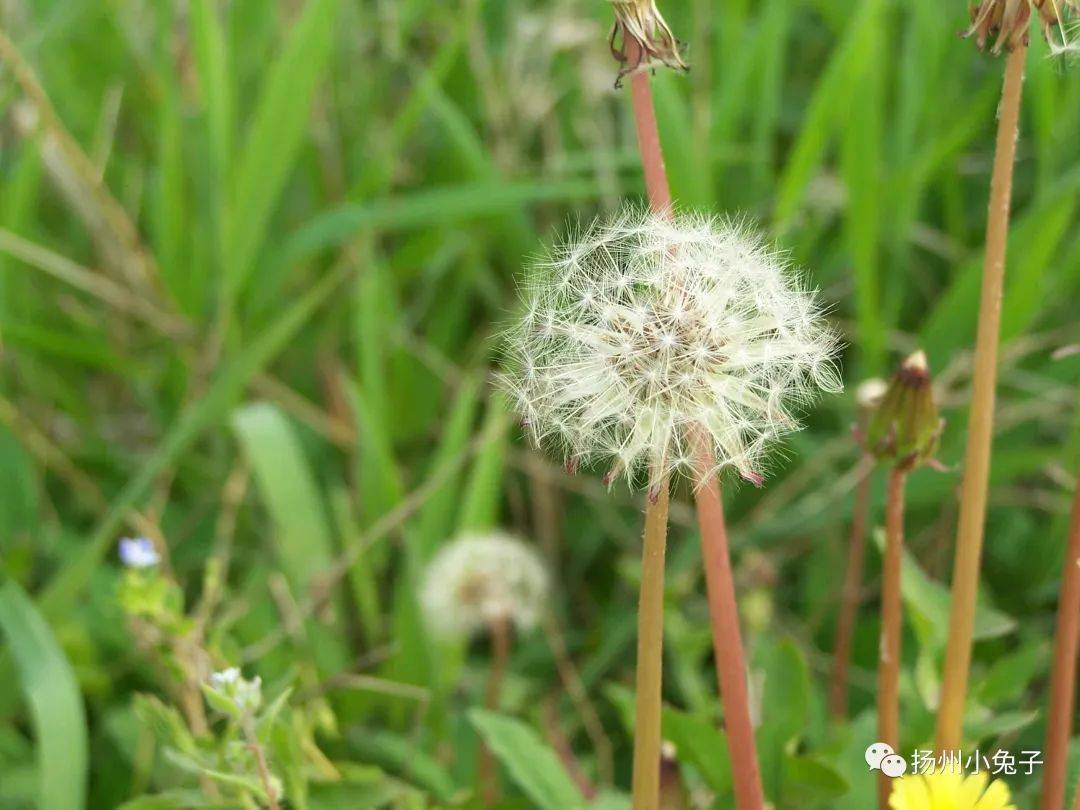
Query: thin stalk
{"x": 1063, "y": 675}
{"x": 969, "y": 533}
{"x": 851, "y": 592}
{"x": 888, "y": 700}
{"x": 500, "y": 654}
{"x": 650, "y": 654}
{"x": 256, "y": 749}
{"x": 727, "y": 643}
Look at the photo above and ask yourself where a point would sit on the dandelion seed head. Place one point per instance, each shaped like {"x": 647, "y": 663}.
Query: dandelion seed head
{"x": 695, "y": 325}
{"x": 480, "y": 579}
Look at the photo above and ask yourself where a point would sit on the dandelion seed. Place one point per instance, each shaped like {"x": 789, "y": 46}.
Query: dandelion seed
{"x": 697, "y": 326}
{"x": 138, "y": 552}
{"x": 479, "y": 580}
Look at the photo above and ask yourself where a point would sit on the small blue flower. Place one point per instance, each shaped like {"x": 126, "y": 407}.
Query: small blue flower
{"x": 138, "y": 552}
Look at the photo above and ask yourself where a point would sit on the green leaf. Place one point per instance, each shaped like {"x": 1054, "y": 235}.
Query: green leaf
{"x": 302, "y": 534}
{"x": 697, "y": 742}
{"x": 532, "y": 765}
{"x": 927, "y": 602}
{"x": 55, "y": 703}
{"x": 810, "y": 779}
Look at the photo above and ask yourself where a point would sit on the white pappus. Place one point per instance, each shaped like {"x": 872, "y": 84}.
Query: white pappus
{"x": 642, "y": 331}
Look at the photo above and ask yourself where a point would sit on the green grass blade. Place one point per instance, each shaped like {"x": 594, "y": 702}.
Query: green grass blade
{"x": 55, "y": 703}
{"x": 304, "y": 541}
{"x": 275, "y": 136}
{"x": 483, "y": 491}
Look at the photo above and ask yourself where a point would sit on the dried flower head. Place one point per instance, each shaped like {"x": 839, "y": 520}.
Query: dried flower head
{"x": 647, "y": 336}
{"x": 641, "y": 22}
{"x": 138, "y": 552}
{"x": 1008, "y": 22}
{"x": 905, "y": 427}
{"x": 478, "y": 580}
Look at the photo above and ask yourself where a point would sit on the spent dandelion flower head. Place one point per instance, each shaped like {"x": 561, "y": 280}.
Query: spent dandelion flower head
{"x": 642, "y": 22}
{"x": 645, "y": 337}
{"x": 138, "y": 552}
{"x": 947, "y": 790}
{"x": 1008, "y": 21}
{"x": 480, "y": 579}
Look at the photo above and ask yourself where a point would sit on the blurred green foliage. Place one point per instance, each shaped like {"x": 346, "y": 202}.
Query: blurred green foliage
{"x": 252, "y": 256}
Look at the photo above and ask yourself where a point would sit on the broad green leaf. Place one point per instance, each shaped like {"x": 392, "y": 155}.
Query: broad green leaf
{"x": 56, "y": 705}
{"x": 533, "y": 766}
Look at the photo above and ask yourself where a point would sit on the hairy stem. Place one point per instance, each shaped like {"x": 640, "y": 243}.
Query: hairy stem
{"x": 969, "y": 533}
{"x": 727, "y": 641}
{"x": 1059, "y": 715}
{"x": 500, "y": 654}
{"x": 650, "y": 655}
{"x": 888, "y": 697}
{"x": 851, "y": 592}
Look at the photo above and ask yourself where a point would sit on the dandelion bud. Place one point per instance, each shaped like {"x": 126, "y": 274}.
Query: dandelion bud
{"x": 905, "y": 427}
{"x": 641, "y": 21}
{"x": 479, "y": 580}
{"x": 655, "y": 345}
{"x": 1007, "y": 21}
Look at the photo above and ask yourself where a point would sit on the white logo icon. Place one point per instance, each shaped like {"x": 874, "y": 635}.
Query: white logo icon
{"x": 881, "y": 757}
{"x": 894, "y": 766}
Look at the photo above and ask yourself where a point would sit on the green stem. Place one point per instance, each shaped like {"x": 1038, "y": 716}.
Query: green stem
{"x": 650, "y": 654}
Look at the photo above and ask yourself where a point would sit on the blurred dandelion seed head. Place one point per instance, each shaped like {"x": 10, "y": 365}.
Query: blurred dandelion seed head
{"x": 478, "y": 580}
{"x": 642, "y": 330}
{"x": 1008, "y": 21}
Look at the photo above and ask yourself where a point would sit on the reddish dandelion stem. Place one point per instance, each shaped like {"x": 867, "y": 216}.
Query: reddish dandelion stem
{"x": 1059, "y": 715}
{"x": 728, "y": 652}
{"x": 888, "y": 697}
{"x": 500, "y": 654}
{"x": 851, "y": 593}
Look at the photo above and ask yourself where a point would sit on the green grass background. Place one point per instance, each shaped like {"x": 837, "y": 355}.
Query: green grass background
{"x": 271, "y": 241}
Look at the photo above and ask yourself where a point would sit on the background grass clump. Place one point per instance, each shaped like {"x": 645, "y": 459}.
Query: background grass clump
{"x": 252, "y": 255}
